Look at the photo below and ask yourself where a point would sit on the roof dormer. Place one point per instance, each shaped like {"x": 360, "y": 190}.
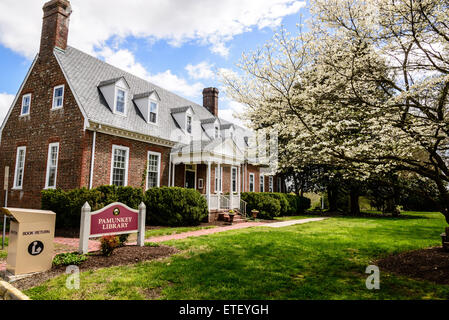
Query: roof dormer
{"x": 184, "y": 118}
{"x": 228, "y": 130}
{"x": 212, "y": 127}
{"x": 148, "y": 104}
{"x": 116, "y": 91}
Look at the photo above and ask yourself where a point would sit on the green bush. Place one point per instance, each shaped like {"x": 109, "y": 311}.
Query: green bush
{"x": 67, "y": 204}
{"x": 268, "y": 206}
{"x": 108, "y": 244}
{"x": 298, "y": 204}
{"x": 173, "y": 206}
{"x": 67, "y": 259}
{"x": 283, "y": 201}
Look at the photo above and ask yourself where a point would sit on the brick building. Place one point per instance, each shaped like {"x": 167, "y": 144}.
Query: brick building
{"x": 80, "y": 122}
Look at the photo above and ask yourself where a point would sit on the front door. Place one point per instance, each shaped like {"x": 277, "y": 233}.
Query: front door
{"x": 190, "y": 179}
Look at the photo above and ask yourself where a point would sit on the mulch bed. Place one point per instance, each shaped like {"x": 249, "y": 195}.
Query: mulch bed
{"x": 430, "y": 264}
{"x": 121, "y": 256}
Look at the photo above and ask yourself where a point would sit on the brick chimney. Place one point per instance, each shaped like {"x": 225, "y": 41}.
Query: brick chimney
{"x": 210, "y": 100}
{"x": 55, "y": 26}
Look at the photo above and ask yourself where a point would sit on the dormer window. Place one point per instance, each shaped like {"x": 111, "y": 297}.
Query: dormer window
{"x": 26, "y": 102}
{"x": 120, "y": 101}
{"x": 189, "y": 124}
{"x": 58, "y": 97}
{"x": 217, "y": 132}
{"x": 153, "y": 112}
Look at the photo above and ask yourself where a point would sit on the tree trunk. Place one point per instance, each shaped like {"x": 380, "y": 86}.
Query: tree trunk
{"x": 391, "y": 207}
{"x": 332, "y": 195}
{"x": 354, "y": 199}
{"x": 444, "y": 194}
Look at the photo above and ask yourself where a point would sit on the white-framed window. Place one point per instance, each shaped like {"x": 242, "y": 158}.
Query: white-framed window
{"x": 26, "y": 104}
{"x": 218, "y": 180}
{"x": 120, "y": 101}
{"x": 20, "y": 167}
{"x": 52, "y": 165}
{"x": 251, "y": 182}
{"x": 58, "y": 97}
{"x": 262, "y": 183}
{"x": 154, "y": 170}
{"x": 270, "y": 185}
{"x": 234, "y": 179}
{"x": 279, "y": 185}
{"x": 154, "y": 107}
{"x": 189, "y": 124}
{"x": 200, "y": 183}
{"x": 119, "y": 166}
{"x": 217, "y": 132}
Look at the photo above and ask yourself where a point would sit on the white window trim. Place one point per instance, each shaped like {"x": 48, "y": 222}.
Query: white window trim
{"x": 115, "y": 147}
{"x": 191, "y": 123}
{"x": 149, "y": 111}
{"x": 200, "y": 183}
{"x": 220, "y": 180}
{"x": 254, "y": 182}
{"x": 48, "y": 165}
{"x": 15, "y": 186}
{"x": 236, "y": 180}
{"x": 262, "y": 183}
{"x": 158, "y": 167}
{"x": 115, "y": 101}
{"x": 53, "y": 107}
{"x": 29, "y": 106}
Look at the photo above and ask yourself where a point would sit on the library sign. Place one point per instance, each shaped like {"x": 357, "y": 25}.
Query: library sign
{"x": 114, "y": 219}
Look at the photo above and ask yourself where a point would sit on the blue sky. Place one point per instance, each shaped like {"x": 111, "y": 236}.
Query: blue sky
{"x": 177, "y": 44}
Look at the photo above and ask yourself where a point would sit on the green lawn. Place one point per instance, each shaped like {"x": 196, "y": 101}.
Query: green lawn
{"x": 318, "y": 260}
{"x": 3, "y": 253}
{"x": 169, "y": 231}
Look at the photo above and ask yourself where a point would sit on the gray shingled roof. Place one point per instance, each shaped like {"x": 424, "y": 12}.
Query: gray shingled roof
{"x": 85, "y": 73}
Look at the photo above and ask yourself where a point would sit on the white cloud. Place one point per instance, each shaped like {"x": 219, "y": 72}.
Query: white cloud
{"x": 231, "y": 111}
{"x": 125, "y": 60}
{"x": 211, "y": 23}
{"x": 5, "y": 103}
{"x": 202, "y": 70}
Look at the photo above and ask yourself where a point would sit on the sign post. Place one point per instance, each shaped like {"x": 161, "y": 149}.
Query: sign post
{"x": 114, "y": 219}
{"x": 5, "y": 188}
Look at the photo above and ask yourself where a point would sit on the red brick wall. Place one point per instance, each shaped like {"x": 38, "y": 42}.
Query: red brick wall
{"x": 36, "y": 130}
{"x": 138, "y": 153}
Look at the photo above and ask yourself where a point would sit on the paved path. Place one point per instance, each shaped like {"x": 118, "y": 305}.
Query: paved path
{"x": 291, "y": 222}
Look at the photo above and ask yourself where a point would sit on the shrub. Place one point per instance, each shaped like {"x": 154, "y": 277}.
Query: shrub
{"x": 268, "y": 206}
{"x": 173, "y": 206}
{"x": 67, "y": 259}
{"x": 283, "y": 201}
{"x": 297, "y": 203}
{"x": 123, "y": 238}
{"x": 108, "y": 244}
{"x": 67, "y": 204}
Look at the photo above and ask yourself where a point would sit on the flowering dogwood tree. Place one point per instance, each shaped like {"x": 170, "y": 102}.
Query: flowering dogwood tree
{"x": 365, "y": 89}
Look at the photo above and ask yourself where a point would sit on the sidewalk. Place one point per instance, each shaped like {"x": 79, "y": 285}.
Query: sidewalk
{"x": 291, "y": 222}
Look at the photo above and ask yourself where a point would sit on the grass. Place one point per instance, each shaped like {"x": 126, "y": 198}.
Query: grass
{"x": 169, "y": 231}
{"x": 4, "y": 252}
{"x": 318, "y": 260}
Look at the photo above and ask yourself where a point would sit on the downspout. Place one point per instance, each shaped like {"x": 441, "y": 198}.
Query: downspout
{"x": 169, "y": 172}
{"x": 92, "y": 160}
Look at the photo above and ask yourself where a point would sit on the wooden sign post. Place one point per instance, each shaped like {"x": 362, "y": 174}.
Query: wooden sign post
{"x": 114, "y": 219}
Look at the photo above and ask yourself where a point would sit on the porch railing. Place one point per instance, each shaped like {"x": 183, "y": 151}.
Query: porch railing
{"x": 226, "y": 202}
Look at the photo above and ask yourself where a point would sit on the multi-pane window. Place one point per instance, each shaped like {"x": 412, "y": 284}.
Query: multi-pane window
{"x": 20, "y": 167}
{"x": 119, "y": 172}
{"x": 58, "y": 97}
{"x": 153, "y": 169}
{"x": 218, "y": 179}
{"x": 52, "y": 165}
{"x": 234, "y": 179}
{"x": 251, "y": 182}
{"x": 120, "y": 101}
{"x": 189, "y": 124}
{"x": 262, "y": 183}
{"x": 26, "y": 102}
{"x": 153, "y": 112}
{"x": 270, "y": 187}
{"x": 217, "y": 133}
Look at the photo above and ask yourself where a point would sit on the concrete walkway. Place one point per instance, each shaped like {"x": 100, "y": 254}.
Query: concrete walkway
{"x": 291, "y": 222}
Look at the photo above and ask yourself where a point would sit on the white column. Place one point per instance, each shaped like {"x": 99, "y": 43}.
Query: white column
{"x": 173, "y": 175}
{"x": 219, "y": 184}
{"x": 239, "y": 180}
{"x": 169, "y": 171}
{"x": 208, "y": 184}
{"x": 141, "y": 225}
